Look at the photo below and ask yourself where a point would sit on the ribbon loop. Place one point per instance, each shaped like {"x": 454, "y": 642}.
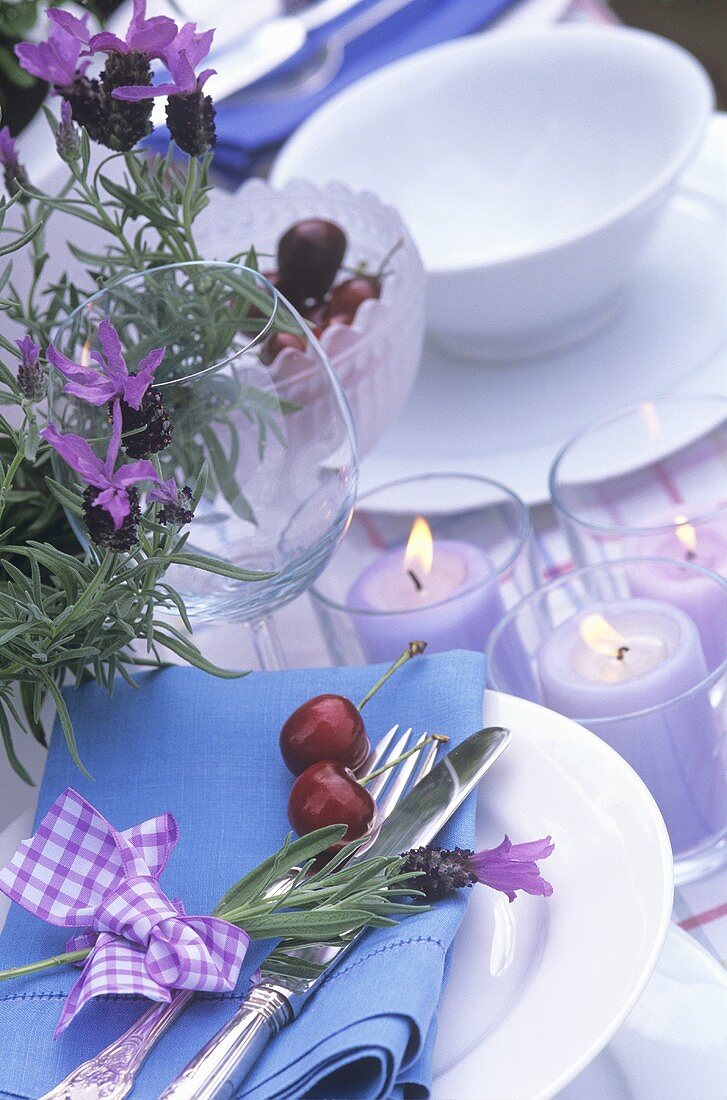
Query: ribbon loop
{"x": 79, "y": 871}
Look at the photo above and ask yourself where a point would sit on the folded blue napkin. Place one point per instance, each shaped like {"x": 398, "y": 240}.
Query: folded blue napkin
{"x": 249, "y": 131}
{"x": 207, "y": 750}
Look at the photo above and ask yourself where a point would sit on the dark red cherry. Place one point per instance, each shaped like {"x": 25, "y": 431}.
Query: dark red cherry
{"x": 309, "y": 256}
{"x": 327, "y": 793}
{"x": 347, "y": 297}
{"x": 277, "y": 342}
{"x": 326, "y": 727}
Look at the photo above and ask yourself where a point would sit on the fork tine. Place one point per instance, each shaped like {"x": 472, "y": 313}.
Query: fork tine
{"x": 401, "y": 777}
{"x": 376, "y": 786}
{"x": 376, "y": 755}
{"x": 427, "y": 763}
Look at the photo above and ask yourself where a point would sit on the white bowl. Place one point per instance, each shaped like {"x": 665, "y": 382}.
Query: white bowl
{"x": 531, "y": 169}
{"x": 376, "y": 357}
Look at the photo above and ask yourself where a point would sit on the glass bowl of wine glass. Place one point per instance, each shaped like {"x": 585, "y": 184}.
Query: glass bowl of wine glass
{"x": 244, "y": 396}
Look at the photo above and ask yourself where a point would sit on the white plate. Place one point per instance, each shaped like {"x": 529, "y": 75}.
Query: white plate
{"x": 508, "y": 422}
{"x": 539, "y": 987}
{"x": 674, "y": 1043}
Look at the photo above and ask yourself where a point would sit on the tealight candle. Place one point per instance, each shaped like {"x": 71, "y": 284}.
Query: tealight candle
{"x": 629, "y": 662}
{"x": 433, "y": 591}
{"x": 690, "y": 590}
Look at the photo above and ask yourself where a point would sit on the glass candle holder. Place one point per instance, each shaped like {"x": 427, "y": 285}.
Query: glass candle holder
{"x": 634, "y": 669}
{"x": 444, "y": 571}
{"x": 647, "y": 480}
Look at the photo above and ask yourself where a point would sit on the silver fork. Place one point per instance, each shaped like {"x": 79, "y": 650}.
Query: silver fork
{"x": 111, "y": 1073}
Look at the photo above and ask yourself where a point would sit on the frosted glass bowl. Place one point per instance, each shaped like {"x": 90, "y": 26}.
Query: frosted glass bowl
{"x": 377, "y": 357}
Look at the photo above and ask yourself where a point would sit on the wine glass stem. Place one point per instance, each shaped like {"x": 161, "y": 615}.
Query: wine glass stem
{"x": 267, "y": 644}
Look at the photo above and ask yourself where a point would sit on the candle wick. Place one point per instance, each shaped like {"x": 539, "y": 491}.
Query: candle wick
{"x": 417, "y": 583}
{"x": 621, "y": 652}
{"x": 690, "y": 555}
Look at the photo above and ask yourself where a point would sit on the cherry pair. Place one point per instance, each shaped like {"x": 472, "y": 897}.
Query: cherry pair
{"x": 322, "y": 742}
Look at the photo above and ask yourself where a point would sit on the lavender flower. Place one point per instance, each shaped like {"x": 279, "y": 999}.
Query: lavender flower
{"x": 142, "y": 408}
{"x": 68, "y": 139}
{"x": 508, "y": 868}
{"x": 111, "y": 500}
{"x": 113, "y": 380}
{"x": 57, "y": 61}
{"x": 176, "y": 510}
{"x": 14, "y": 174}
{"x": 190, "y": 113}
{"x": 31, "y": 376}
{"x": 147, "y": 36}
{"x": 511, "y": 867}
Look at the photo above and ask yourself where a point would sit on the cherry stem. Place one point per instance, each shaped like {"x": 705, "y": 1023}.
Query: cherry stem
{"x": 412, "y": 650}
{"x": 404, "y": 756}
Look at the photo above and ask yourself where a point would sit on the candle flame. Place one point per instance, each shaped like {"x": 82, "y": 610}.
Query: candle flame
{"x": 686, "y": 534}
{"x": 651, "y": 419}
{"x": 86, "y": 353}
{"x": 419, "y": 554}
{"x": 598, "y": 633}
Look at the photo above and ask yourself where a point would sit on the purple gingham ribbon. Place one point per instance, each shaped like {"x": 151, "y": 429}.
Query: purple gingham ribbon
{"x": 79, "y": 871}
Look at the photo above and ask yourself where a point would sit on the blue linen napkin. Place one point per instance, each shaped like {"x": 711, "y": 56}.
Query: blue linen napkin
{"x": 249, "y": 131}
{"x": 207, "y": 750}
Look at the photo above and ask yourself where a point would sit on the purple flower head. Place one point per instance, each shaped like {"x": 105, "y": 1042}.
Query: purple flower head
{"x": 8, "y": 152}
{"x": 14, "y": 174}
{"x": 31, "y": 376}
{"x": 177, "y": 503}
{"x": 181, "y": 57}
{"x": 113, "y": 380}
{"x": 29, "y": 351}
{"x": 147, "y": 36}
{"x": 57, "y": 60}
{"x": 511, "y": 867}
{"x": 68, "y": 138}
{"x": 113, "y": 484}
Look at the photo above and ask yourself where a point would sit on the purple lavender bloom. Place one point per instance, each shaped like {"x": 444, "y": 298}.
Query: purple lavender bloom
{"x": 14, "y": 174}
{"x": 181, "y": 58}
{"x": 113, "y": 380}
{"x": 29, "y": 351}
{"x": 177, "y": 502}
{"x": 68, "y": 138}
{"x": 147, "y": 36}
{"x": 114, "y": 485}
{"x": 57, "y": 60}
{"x": 31, "y": 376}
{"x": 511, "y": 867}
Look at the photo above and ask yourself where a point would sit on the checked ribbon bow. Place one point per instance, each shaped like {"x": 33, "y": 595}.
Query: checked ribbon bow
{"x": 79, "y": 871}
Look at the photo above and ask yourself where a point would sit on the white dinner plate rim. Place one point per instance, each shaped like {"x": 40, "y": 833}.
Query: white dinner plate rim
{"x": 508, "y": 710}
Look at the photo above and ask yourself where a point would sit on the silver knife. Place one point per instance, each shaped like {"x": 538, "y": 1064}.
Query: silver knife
{"x": 289, "y": 978}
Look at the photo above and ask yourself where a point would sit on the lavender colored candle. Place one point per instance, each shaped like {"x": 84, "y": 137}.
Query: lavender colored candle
{"x": 438, "y": 595}
{"x": 692, "y": 591}
{"x": 627, "y": 669}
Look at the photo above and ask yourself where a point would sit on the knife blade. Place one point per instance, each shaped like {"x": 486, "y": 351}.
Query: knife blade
{"x": 290, "y": 977}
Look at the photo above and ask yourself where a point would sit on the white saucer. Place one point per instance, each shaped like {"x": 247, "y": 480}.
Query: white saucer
{"x": 674, "y": 1043}
{"x": 508, "y": 422}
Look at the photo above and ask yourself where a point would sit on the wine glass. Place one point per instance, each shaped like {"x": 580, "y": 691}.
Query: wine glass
{"x": 252, "y": 398}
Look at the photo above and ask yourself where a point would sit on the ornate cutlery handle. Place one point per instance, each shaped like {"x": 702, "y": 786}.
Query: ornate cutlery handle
{"x": 221, "y": 1066}
{"x": 111, "y": 1073}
